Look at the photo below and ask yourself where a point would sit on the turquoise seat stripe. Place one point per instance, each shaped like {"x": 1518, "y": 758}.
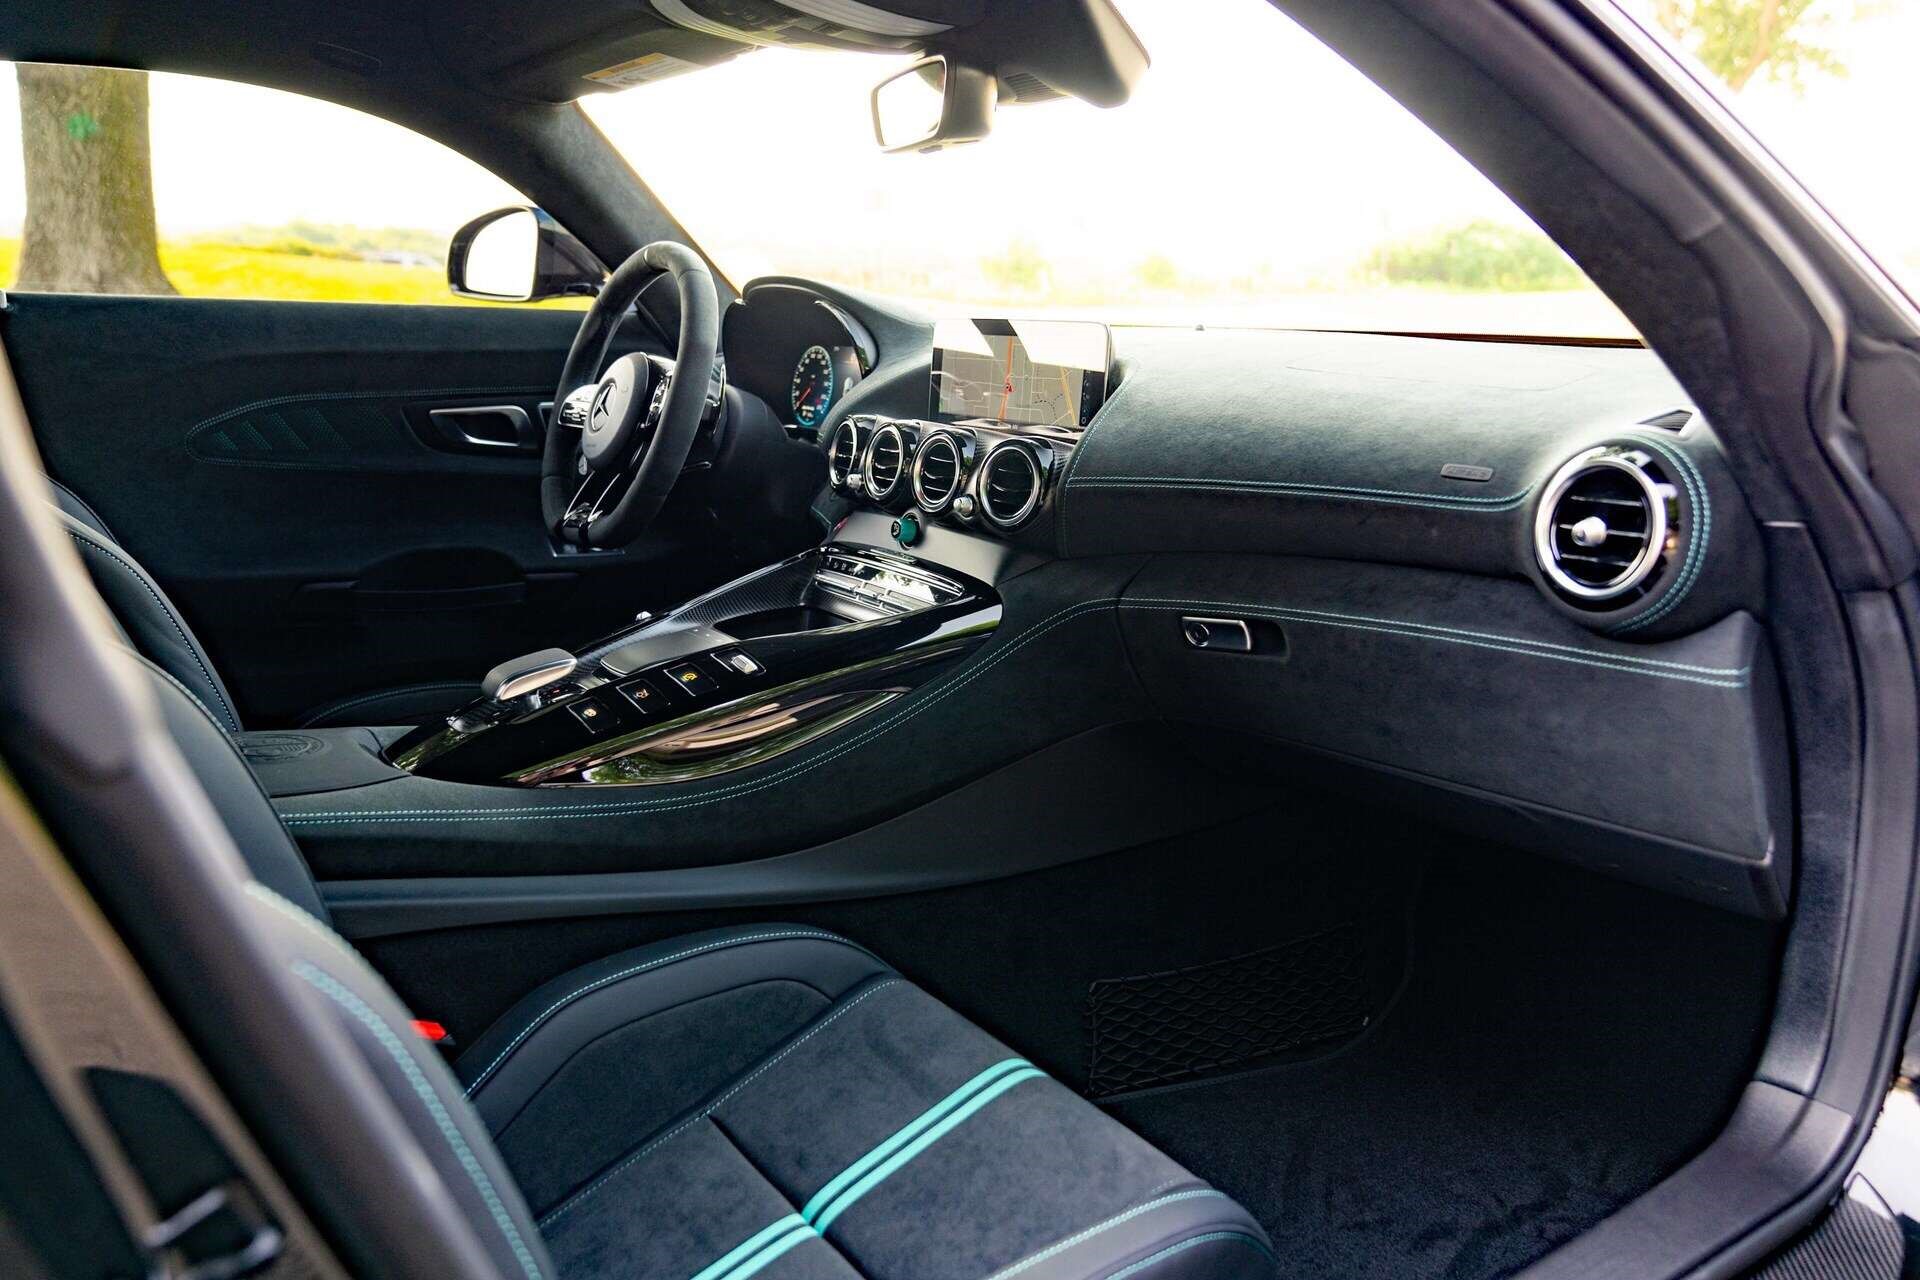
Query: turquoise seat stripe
{"x": 906, "y": 1134}
{"x": 799, "y": 1236}
{"x": 754, "y": 1243}
{"x": 894, "y": 1163}
{"x": 869, "y": 1171}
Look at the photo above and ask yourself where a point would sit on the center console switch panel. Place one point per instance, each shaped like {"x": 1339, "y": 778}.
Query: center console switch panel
{"x": 741, "y": 675}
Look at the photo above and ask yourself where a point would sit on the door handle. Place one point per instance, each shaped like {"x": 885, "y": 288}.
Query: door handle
{"x": 492, "y": 426}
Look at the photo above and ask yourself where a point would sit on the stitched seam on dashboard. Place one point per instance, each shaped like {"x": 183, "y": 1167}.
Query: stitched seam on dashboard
{"x": 1079, "y": 452}
{"x": 936, "y": 694}
{"x": 1607, "y": 662}
{"x": 1576, "y": 651}
{"x": 1288, "y": 488}
{"x": 572, "y": 1201}
{"x": 173, "y": 619}
{"x": 540, "y": 1019}
{"x": 1696, "y": 547}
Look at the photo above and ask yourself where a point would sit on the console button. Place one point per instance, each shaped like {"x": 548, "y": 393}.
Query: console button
{"x": 690, "y": 680}
{"x": 593, "y": 714}
{"x": 644, "y": 697}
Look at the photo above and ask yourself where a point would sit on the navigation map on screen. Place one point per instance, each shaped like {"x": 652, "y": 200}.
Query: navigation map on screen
{"x": 1049, "y": 373}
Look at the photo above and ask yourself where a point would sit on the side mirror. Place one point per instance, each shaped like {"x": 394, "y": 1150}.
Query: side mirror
{"x": 519, "y": 254}
{"x": 934, "y": 103}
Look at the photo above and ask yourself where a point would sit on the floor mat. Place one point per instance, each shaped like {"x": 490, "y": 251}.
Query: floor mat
{"x": 1562, "y": 1043}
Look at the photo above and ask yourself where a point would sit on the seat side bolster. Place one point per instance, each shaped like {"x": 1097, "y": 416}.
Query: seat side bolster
{"x": 149, "y": 618}
{"x": 1170, "y": 1234}
{"x": 510, "y": 1062}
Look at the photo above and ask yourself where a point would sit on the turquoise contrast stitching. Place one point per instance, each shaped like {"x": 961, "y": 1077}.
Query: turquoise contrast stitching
{"x": 1120, "y": 1219}
{"x": 905, "y": 1134}
{"x": 1730, "y": 677}
{"x": 926, "y": 1138}
{"x": 1079, "y": 452}
{"x": 611, "y": 978}
{"x": 1170, "y": 1250}
{"x": 937, "y": 694}
{"x": 299, "y": 915}
{"x": 193, "y": 650}
{"x": 424, "y": 1090}
{"x": 1400, "y": 497}
{"x": 1698, "y": 498}
{"x": 574, "y": 1200}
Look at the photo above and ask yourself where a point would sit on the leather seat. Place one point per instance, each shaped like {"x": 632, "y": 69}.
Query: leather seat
{"x": 150, "y": 622}
{"x": 772, "y": 1100}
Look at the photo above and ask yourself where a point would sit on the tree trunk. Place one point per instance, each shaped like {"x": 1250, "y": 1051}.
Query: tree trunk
{"x": 90, "y": 225}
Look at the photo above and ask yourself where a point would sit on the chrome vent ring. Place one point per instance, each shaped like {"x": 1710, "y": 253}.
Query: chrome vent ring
{"x": 1008, "y": 484}
{"x": 843, "y": 454}
{"x": 937, "y": 472}
{"x": 886, "y": 462}
{"x": 1607, "y": 522}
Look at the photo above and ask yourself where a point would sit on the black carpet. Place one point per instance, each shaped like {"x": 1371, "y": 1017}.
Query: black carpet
{"x": 1562, "y": 1043}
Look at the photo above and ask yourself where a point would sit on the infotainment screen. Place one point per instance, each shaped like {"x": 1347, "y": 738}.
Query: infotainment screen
{"x": 1030, "y": 372}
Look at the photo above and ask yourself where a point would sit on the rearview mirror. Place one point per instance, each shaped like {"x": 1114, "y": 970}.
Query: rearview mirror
{"x": 519, "y": 254}
{"x": 934, "y": 103}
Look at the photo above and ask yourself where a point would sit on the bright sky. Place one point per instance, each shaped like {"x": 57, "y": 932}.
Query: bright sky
{"x": 1250, "y": 157}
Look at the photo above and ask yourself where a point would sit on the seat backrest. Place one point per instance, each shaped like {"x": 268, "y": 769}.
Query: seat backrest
{"x": 361, "y": 1119}
{"x": 146, "y": 617}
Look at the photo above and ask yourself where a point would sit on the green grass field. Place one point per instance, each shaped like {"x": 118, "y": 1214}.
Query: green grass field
{"x": 203, "y": 270}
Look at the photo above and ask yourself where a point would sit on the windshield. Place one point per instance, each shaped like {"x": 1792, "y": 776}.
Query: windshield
{"x": 1253, "y": 179}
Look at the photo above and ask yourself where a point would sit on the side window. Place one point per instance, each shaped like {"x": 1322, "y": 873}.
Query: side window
{"x": 128, "y": 182}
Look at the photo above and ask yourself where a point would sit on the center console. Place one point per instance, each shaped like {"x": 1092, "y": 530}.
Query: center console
{"x": 803, "y": 648}
{"x": 741, "y": 675}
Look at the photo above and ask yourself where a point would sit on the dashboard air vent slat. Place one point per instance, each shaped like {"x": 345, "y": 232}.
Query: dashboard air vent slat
{"x": 936, "y": 472}
{"x": 1605, "y": 527}
{"x": 1010, "y": 484}
{"x": 886, "y": 461}
{"x": 843, "y": 454}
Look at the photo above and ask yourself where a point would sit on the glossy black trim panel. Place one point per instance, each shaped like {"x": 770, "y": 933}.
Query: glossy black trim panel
{"x": 981, "y": 831}
{"x": 817, "y": 642}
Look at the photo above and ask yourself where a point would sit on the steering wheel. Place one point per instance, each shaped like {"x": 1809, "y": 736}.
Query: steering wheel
{"x": 620, "y": 432}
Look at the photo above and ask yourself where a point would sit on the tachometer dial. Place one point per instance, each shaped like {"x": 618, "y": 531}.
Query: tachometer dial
{"x": 813, "y": 387}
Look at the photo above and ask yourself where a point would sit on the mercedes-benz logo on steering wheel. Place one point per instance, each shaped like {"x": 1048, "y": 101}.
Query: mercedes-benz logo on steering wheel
{"x": 600, "y": 414}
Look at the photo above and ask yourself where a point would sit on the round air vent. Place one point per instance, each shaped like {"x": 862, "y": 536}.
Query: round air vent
{"x": 888, "y": 456}
{"x": 937, "y": 471}
{"x": 1607, "y": 523}
{"x": 843, "y": 453}
{"x": 1009, "y": 484}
